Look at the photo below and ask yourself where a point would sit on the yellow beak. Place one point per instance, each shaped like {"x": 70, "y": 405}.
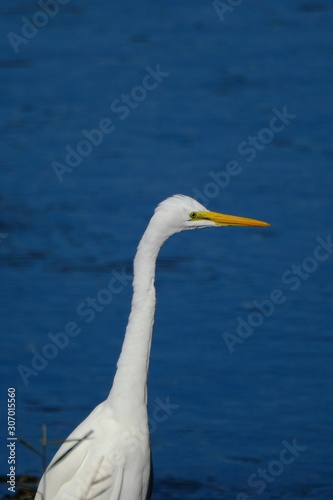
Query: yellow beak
{"x": 230, "y": 220}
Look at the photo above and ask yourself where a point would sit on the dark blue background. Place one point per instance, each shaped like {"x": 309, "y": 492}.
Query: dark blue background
{"x": 61, "y": 242}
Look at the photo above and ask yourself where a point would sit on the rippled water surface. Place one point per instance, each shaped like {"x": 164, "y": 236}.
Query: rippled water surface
{"x": 245, "y": 90}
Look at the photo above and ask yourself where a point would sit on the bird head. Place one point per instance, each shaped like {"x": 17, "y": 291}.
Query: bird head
{"x": 180, "y": 212}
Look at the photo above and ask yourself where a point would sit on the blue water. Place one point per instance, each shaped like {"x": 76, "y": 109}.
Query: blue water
{"x": 233, "y": 409}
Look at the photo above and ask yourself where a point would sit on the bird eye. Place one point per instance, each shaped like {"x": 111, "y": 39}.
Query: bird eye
{"x": 193, "y": 215}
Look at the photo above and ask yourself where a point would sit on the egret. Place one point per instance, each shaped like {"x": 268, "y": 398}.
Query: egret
{"x": 108, "y": 457}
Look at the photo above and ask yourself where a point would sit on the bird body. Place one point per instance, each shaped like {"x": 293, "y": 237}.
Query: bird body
{"x": 108, "y": 456}
{"x": 103, "y": 458}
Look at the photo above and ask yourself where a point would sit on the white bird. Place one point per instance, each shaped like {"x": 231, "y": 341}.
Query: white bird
{"x": 107, "y": 457}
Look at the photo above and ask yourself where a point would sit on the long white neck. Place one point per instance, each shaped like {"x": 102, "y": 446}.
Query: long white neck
{"x": 129, "y": 390}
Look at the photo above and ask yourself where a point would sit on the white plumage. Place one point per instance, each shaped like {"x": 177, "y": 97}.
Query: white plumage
{"x": 107, "y": 456}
